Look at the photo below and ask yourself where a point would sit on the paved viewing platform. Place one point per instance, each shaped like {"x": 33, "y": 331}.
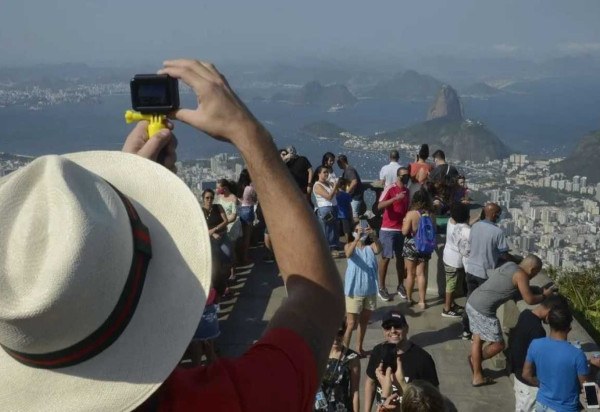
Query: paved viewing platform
{"x": 259, "y": 291}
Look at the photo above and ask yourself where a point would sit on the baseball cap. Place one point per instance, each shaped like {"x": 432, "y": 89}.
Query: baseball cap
{"x": 394, "y": 318}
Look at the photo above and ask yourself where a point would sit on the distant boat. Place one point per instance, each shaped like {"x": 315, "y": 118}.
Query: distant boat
{"x": 335, "y": 108}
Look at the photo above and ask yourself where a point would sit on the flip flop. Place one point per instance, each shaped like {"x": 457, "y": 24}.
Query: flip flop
{"x": 486, "y": 381}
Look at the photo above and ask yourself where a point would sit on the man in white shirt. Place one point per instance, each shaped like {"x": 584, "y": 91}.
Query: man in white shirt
{"x": 389, "y": 172}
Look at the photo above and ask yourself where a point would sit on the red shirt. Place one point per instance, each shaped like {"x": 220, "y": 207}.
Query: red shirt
{"x": 393, "y": 215}
{"x": 278, "y": 373}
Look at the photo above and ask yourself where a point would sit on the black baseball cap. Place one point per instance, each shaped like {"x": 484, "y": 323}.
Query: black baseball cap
{"x": 394, "y": 318}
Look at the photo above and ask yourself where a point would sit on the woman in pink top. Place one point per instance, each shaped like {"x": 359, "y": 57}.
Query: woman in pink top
{"x": 247, "y": 216}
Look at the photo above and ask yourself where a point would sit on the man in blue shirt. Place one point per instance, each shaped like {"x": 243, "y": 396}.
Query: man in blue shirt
{"x": 556, "y": 366}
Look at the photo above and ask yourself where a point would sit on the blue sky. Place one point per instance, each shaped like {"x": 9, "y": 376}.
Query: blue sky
{"x": 129, "y": 31}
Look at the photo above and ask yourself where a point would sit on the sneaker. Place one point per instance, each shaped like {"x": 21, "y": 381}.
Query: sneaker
{"x": 457, "y": 308}
{"x": 450, "y": 314}
{"x": 384, "y": 295}
{"x": 401, "y": 291}
{"x": 466, "y": 335}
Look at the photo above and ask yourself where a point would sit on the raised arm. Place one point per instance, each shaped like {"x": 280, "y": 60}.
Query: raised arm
{"x": 315, "y": 304}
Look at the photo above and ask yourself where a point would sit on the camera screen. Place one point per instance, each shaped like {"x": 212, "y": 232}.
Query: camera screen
{"x": 153, "y": 94}
{"x": 590, "y": 395}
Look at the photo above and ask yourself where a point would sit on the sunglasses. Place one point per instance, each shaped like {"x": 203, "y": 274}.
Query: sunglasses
{"x": 394, "y": 325}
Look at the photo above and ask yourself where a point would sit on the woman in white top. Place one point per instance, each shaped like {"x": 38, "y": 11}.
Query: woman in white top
{"x": 230, "y": 202}
{"x": 324, "y": 192}
{"x": 455, "y": 251}
{"x": 248, "y": 199}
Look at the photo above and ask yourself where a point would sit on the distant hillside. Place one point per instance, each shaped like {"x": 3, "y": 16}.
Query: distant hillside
{"x": 584, "y": 159}
{"x": 480, "y": 89}
{"x": 459, "y": 139}
{"x": 323, "y": 129}
{"x": 408, "y": 85}
{"x": 315, "y": 94}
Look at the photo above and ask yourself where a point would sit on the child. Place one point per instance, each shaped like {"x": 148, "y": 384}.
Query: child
{"x": 344, "y": 209}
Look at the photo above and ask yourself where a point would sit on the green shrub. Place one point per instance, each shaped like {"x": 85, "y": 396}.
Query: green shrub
{"x": 582, "y": 288}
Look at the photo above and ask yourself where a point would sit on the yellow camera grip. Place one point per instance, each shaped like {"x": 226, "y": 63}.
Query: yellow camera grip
{"x": 157, "y": 121}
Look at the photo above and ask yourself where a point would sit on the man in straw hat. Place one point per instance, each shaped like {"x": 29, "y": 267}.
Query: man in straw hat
{"x": 105, "y": 268}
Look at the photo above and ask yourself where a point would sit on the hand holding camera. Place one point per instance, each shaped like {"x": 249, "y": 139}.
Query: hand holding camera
{"x": 220, "y": 113}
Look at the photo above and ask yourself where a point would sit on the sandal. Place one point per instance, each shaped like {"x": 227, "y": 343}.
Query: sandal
{"x": 486, "y": 381}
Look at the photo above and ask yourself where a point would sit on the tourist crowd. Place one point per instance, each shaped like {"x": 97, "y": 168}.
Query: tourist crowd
{"x": 411, "y": 199}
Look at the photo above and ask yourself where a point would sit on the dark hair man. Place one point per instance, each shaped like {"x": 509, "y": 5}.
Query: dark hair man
{"x": 416, "y": 362}
{"x": 555, "y": 366}
{"x": 355, "y": 188}
{"x": 502, "y": 285}
{"x": 300, "y": 168}
{"x": 127, "y": 217}
{"x": 394, "y": 202}
{"x": 488, "y": 247}
{"x": 388, "y": 172}
{"x": 442, "y": 170}
{"x": 528, "y": 327}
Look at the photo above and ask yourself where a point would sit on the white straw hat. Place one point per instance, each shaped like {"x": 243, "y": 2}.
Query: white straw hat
{"x": 72, "y": 259}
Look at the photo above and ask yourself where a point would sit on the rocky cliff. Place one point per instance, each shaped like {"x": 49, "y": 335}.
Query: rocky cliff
{"x": 446, "y": 129}
{"x": 446, "y": 105}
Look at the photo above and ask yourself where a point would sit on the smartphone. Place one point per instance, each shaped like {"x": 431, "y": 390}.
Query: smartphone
{"x": 591, "y": 395}
{"x": 363, "y": 225}
{"x": 549, "y": 285}
{"x": 388, "y": 357}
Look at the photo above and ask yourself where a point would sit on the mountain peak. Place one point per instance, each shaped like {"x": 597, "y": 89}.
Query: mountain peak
{"x": 446, "y": 105}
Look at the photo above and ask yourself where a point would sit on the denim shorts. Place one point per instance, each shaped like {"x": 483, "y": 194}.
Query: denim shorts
{"x": 247, "y": 215}
{"x": 208, "y": 328}
{"x": 392, "y": 242}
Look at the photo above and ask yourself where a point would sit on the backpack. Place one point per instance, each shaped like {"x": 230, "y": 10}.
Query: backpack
{"x": 425, "y": 236}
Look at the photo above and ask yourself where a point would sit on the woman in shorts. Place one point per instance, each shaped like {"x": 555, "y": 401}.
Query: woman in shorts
{"x": 416, "y": 263}
{"x": 360, "y": 284}
{"x": 248, "y": 198}
{"x": 325, "y": 192}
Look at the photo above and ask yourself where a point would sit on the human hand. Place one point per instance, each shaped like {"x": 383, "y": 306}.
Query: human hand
{"x": 391, "y": 403}
{"x": 399, "y": 374}
{"x": 161, "y": 148}
{"x": 220, "y": 113}
{"x": 399, "y": 196}
{"x": 216, "y": 236}
{"x": 384, "y": 379}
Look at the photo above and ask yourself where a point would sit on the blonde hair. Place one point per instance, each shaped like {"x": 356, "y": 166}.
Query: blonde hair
{"x": 422, "y": 396}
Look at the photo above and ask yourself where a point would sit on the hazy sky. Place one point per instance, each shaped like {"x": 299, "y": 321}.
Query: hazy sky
{"x": 111, "y": 31}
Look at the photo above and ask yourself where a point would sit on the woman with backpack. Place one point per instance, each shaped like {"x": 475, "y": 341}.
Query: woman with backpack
{"x": 419, "y": 231}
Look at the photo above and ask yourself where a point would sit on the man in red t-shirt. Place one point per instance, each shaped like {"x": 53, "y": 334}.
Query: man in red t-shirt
{"x": 394, "y": 202}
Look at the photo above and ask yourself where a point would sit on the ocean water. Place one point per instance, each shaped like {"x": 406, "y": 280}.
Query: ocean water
{"x": 541, "y": 121}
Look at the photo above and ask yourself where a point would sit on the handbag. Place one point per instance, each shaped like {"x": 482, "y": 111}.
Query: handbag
{"x": 328, "y": 217}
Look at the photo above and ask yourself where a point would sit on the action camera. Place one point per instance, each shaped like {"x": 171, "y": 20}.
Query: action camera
{"x": 154, "y": 93}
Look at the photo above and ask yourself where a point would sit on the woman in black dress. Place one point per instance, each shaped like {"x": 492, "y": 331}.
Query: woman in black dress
{"x": 339, "y": 388}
